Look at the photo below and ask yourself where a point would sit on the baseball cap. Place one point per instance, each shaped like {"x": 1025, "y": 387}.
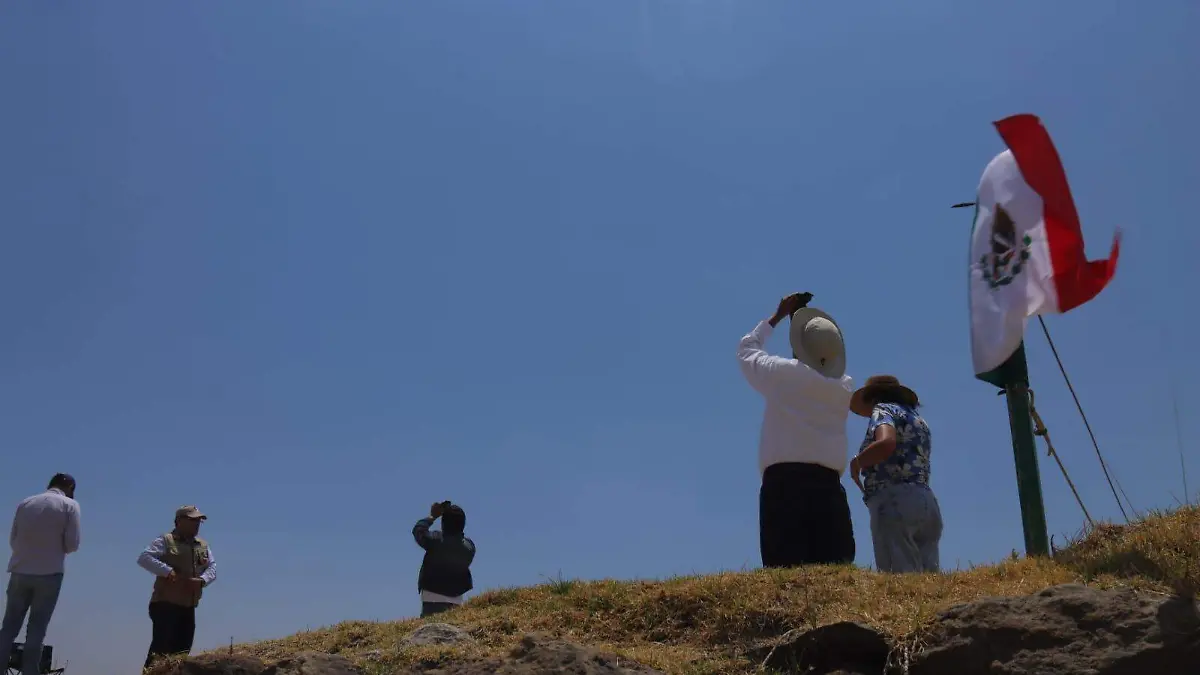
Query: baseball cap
{"x": 190, "y": 512}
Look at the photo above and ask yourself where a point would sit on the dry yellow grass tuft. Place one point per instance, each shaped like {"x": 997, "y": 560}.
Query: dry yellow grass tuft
{"x": 705, "y": 624}
{"x": 1163, "y": 546}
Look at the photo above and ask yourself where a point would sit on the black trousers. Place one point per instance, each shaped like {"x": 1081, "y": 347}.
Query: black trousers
{"x": 803, "y": 517}
{"x": 431, "y": 608}
{"x": 174, "y": 629}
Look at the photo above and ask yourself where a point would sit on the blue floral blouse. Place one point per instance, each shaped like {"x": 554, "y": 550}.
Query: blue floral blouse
{"x": 910, "y": 461}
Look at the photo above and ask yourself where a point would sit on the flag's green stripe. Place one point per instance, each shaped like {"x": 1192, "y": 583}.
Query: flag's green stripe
{"x": 1014, "y": 369}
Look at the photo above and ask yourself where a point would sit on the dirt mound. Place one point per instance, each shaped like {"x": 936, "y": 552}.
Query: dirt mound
{"x": 534, "y": 655}
{"x": 539, "y": 655}
{"x": 727, "y": 623}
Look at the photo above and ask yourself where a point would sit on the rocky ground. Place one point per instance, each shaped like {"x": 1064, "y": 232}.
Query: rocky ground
{"x": 1069, "y": 629}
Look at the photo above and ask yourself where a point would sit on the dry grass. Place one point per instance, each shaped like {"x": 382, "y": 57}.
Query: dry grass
{"x": 705, "y": 624}
{"x": 1163, "y": 546}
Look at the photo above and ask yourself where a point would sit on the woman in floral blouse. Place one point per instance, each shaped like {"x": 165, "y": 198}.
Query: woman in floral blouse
{"x": 892, "y": 470}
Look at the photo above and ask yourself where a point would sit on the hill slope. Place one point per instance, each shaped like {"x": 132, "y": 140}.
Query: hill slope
{"x": 707, "y": 624}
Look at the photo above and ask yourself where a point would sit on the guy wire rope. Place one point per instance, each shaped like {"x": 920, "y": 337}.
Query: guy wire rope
{"x": 1041, "y": 430}
{"x": 1086, "y": 424}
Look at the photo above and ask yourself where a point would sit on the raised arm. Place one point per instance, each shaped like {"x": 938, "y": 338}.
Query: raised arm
{"x": 763, "y": 371}
{"x": 151, "y": 558}
{"x": 421, "y": 532}
{"x": 759, "y": 368}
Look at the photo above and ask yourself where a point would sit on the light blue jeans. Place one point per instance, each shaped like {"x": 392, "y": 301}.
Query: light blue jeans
{"x": 35, "y": 595}
{"x": 906, "y": 528}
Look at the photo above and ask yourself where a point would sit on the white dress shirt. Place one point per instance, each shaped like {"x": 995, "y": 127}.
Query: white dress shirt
{"x": 806, "y": 412}
{"x": 44, "y": 530}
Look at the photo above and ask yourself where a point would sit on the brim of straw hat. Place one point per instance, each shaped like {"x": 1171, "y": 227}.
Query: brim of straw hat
{"x": 836, "y": 365}
{"x": 860, "y": 400}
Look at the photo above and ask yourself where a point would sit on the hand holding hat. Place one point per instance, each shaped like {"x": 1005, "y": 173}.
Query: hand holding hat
{"x": 791, "y": 304}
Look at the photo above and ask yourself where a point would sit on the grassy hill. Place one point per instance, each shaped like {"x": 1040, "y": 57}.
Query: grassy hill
{"x": 704, "y": 624}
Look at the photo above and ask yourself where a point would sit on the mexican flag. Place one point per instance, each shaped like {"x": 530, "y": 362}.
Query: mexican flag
{"x": 1027, "y": 254}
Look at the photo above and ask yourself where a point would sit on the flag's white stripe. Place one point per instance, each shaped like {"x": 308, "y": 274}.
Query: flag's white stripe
{"x": 998, "y": 315}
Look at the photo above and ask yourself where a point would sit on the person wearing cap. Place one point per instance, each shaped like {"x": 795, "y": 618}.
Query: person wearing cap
{"x": 803, "y": 513}
{"x": 183, "y": 566}
{"x": 45, "y": 530}
{"x": 445, "y": 574}
{"x": 892, "y": 470}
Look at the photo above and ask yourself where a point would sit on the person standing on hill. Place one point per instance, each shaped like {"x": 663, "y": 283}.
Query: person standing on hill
{"x": 445, "y": 574}
{"x": 803, "y": 513}
{"x": 45, "y": 530}
{"x": 183, "y": 567}
{"x": 892, "y": 470}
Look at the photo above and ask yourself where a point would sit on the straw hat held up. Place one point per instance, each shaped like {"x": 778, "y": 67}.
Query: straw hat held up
{"x": 817, "y": 342}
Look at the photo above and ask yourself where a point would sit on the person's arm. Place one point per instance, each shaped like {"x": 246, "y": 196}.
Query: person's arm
{"x": 150, "y": 561}
{"x": 421, "y": 533}
{"x": 763, "y": 371}
{"x": 884, "y": 444}
{"x": 12, "y": 534}
{"x": 210, "y": 573}
{"x": 71, "y": 535}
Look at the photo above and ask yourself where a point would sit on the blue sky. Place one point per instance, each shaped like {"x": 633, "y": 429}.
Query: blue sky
{"x": 314, "y": 265}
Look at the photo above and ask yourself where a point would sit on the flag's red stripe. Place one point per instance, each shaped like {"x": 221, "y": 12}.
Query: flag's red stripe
{"x": 1076, "y": 279}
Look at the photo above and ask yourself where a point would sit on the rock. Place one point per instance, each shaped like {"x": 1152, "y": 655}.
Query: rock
{"x": 314, "y": 663}
{"x": 841, "y": 648}
{"x": 538, "y": 655}
{"x": 1065, "y": 630}
{"x": 436, "y": 634}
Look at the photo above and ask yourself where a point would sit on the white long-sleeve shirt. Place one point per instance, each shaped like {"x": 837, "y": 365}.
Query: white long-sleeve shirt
{"x": 805, "y": 415}
{"x": 44, "y": 530}
{"x": 151, "y": 561}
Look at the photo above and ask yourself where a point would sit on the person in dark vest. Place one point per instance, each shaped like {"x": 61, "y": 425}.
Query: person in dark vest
{"x": 803, "y": 513}
{"x": 446, "y": 569}
{"x": 183, "y": 566}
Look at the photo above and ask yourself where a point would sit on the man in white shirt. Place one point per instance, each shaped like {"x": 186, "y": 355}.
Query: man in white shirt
{"x": 804, "y": 517}
{"x": 45, "y": 530}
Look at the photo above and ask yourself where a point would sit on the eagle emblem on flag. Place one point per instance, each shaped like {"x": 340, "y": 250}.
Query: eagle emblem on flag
{"x": 1005, "y": 260}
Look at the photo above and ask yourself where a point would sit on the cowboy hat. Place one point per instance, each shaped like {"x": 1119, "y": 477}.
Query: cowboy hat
{"x": 862, "y": 401}
{"x": 817, "y": 342}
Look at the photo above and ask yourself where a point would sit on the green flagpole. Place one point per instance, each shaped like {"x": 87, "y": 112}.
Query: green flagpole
{"x": 1013, "y": 378}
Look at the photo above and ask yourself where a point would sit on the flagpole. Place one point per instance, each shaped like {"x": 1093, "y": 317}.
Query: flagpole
{"x": 1015, "y": 381}
{"x": 1013, "y": 378}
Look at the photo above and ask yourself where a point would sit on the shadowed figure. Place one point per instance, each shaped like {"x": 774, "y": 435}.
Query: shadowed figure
{"x": 445, "y": 574}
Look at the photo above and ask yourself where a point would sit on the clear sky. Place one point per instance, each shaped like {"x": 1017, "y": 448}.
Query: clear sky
{"x": 314, "y": 265}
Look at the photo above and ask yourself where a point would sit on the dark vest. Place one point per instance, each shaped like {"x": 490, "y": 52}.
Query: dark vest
{"x": 446, "y": 568}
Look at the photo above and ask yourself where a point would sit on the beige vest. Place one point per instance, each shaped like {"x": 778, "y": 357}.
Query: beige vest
{"x": 189, "y": 559}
